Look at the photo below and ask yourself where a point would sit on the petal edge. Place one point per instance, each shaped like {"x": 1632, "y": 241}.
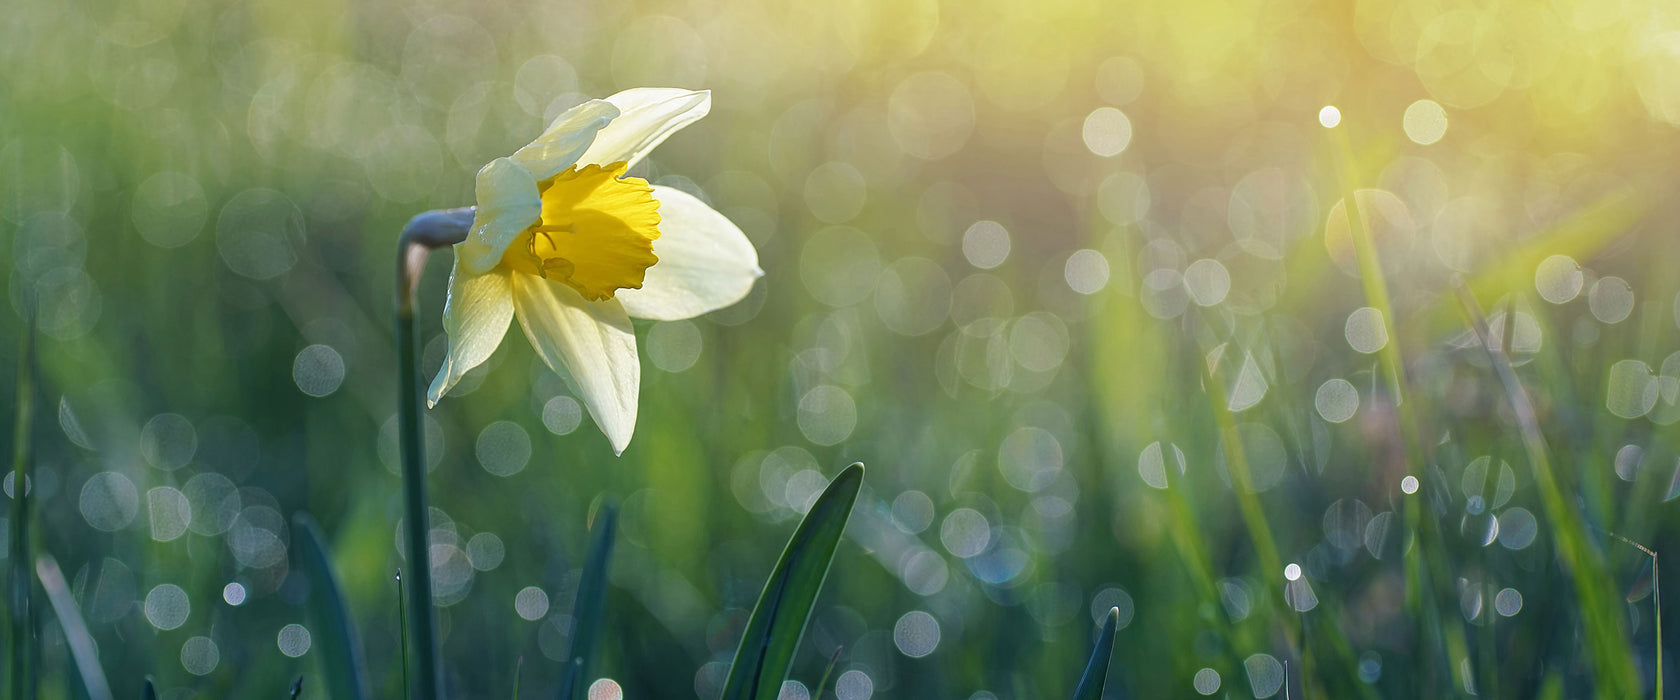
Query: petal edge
{"x": 589, "y": 344}
{"x": 705, "y": 262}
{"x": 647, "y": 116}
{"x": 508, "y": 203}
{"x": 476, "y": 316}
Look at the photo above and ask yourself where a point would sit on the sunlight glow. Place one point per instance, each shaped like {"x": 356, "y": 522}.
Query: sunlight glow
{"x": 1329, "y": 117}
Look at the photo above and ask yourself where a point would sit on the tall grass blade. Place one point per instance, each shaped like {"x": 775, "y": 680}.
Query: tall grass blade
{"x": 1601, "y": 616}
{"x": 1096, "y": 669}
{"x": 1424, "y": 569}
{"x": 778, "y": 620}
{"x": 402, "y": 631}
{"x": 23, "y": 641}
{"x": 341, "y": 649}
{"x": 76, "y": 634}
{"x": 1656, "y": 604}
{"x": 589, "y": 612}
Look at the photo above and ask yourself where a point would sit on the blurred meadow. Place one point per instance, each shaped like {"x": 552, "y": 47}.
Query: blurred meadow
{"x": 1076, "y": 280}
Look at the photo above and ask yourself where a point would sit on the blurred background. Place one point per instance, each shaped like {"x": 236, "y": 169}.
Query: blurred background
{"x": 1007, "y": 247}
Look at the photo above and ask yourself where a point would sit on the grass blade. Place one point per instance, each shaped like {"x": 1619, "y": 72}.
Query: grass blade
{"x": 76, "y": 634}
{"x": 149, "y": 690}
{"x": 590, "y": 608}
{"x": 822, "y": 683}
{"x": 778, "y": 620}
{"x": 1601, "y": 616}
{"x": 1656, "y": 604}
{"x": 21, "y": 614}
{"x": 1096, "y": 669}
{"x": 402, "y": 628}
{"x": 341, "y": 649}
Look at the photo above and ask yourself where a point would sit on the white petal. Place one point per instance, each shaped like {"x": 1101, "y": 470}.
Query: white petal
{"x": 475, "y": 316}
{"x": 646, "y": 117}
{"x": 705, "y": 262}
{"x": 590, "y": 344}
{"x": 508, "y": 203}
{"x": 566, "y": 138}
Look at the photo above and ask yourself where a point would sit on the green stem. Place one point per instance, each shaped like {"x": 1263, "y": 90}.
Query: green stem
{"x": 417, "y": 515}
{"x": 433, "y": 229}
{"x": 22, "y": 639}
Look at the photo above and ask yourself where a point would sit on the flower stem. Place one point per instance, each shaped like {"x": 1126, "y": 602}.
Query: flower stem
{"x": 433, "y": 229}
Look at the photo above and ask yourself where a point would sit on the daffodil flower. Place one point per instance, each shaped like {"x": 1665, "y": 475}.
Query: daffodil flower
{"x": 573, "y": 248}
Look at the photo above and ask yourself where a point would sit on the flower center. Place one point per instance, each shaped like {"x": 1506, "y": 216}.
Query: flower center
{"x": 596, "y": 233}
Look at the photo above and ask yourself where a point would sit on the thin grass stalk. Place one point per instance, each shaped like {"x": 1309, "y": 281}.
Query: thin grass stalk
{"x": 1265, "y": 545}
{"x": 1187, "y": 539}
{"x": 1248, "y": 502}
{"x": 402, "y": 631}
{"x": 83, "y": 652}
{"x": 1242, "y": 481}
{"x": 1419, "y": 572}
{"x": 828, "y": 673}
{"x": 1600, "y": 616}
{"x": 21, "y": 615}
{"x": 1375, "y": 288}
{"x": 1656, "y": 605}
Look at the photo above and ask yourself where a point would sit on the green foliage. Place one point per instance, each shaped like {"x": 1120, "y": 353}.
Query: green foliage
{"x": 828, "y": 674}
{"x": 1601, "y": 613}
{"x": 965, "y": 283}
{"x": 589, "y": 613}
{"x": 340, "y": 645}
{"x": 778, "y": 620}
{"x": 88, "y": 676}
{"x": 1096, "y": 669}
{"x": 20, "y": 607}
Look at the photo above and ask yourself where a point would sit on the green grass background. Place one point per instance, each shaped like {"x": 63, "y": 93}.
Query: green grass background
{"x": 198, "y": 193}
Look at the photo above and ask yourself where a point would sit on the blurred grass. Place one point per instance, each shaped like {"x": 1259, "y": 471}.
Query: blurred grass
{"x": 20, "y": 613}
{"x": 1616, "y": 676}
{"x": 341, "y": 647}
{"x": 89, "y": 679}
{"x": 204, "y": 198}
{"x": 1096, "y": 668}
{"x": 588, "y": 613}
